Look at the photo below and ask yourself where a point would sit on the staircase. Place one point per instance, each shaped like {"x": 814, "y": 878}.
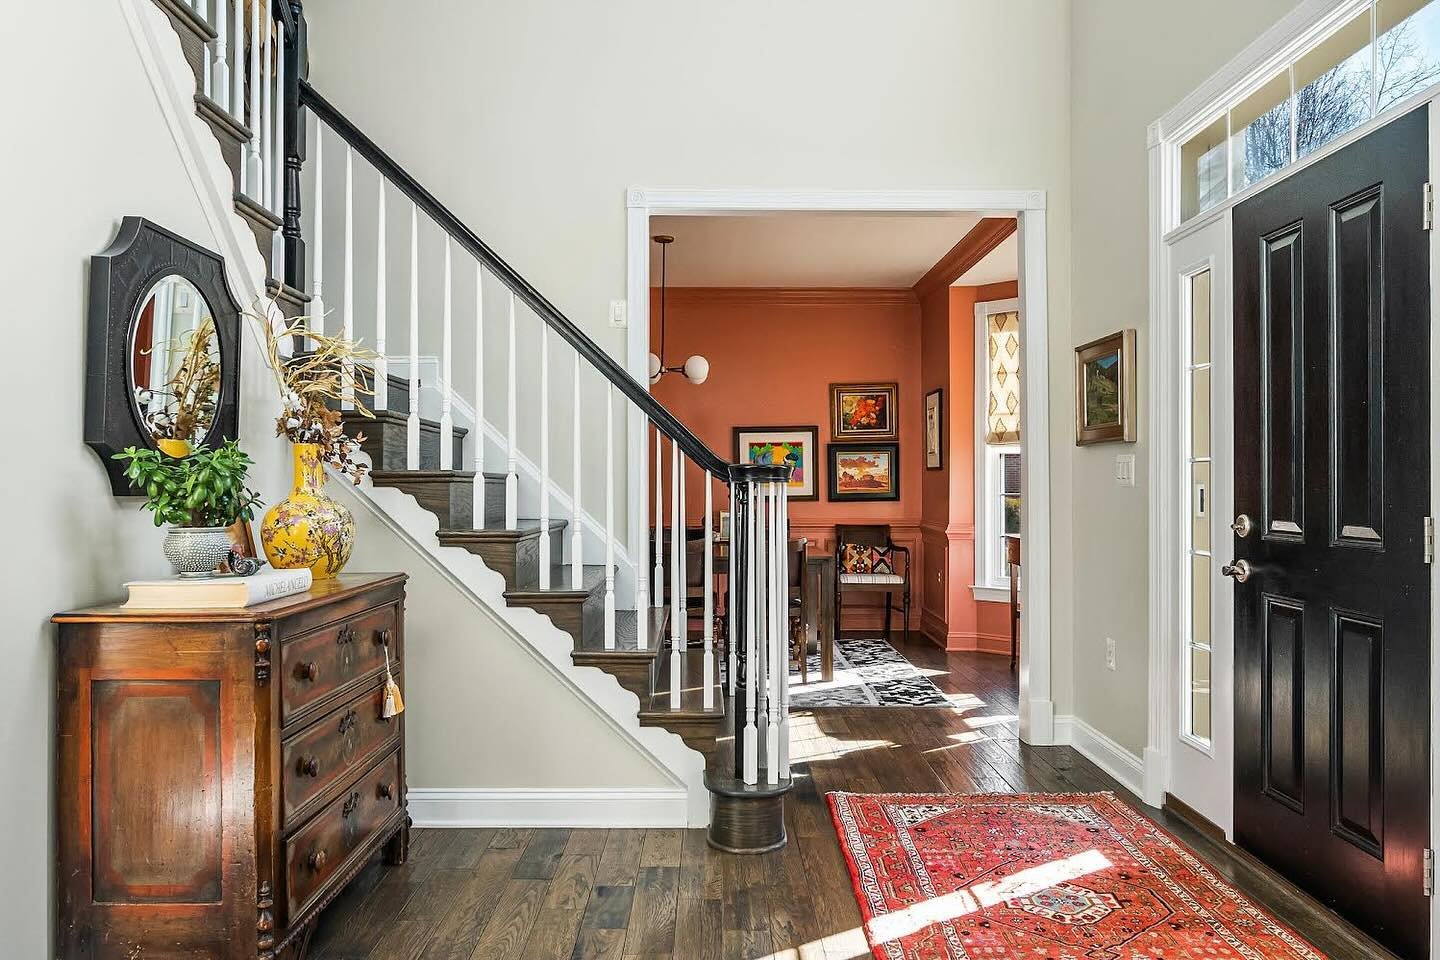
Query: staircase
{"x": 320, "y": 196}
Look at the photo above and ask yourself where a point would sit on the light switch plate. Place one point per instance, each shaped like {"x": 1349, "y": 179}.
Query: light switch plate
{"x": 1125, "y": 470}
{"x": 617, "y": 314}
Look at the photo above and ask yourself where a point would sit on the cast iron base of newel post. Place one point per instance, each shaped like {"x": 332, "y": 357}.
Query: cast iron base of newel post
{"x": 746, "y": 818}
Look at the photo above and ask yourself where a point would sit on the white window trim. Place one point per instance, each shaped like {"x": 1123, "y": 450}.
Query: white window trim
{"x": 991, "y": 585}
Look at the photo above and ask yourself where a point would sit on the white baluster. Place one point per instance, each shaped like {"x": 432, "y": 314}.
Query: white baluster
{"x": 202, "y": 9}
{"x": 609, "y": 518}
{"x": 684, "y": 554}
{"x": 447, "y": 370}
{"x": 220, "y": 68}
{"x": 708, "y": 611}
{"x": 675, "y": 625}
{"x": 263, "y": 134}
{"x": 412, "y": 423}
{"x": 277, "y": 150}
{"x": 749, "y": 740}
{"x": 253, "y": 119}
{"x": 545, "y": 458}
{"x": 761, "y": 567}
{"x": 317, "y": 245}
{"x": 512, "y": 476}
{"x": 577, "y": 556}
{"x": 236, "y": 104}
{"x": 783, "y": 758}
{"x": 477, "y": 453}
{"x": 347, "y": 278}
{"x": 732, "y": 623}
{"x": 659, "y": 520}
{"x": 381, "y": 400}
{"x": 642, "y": 599}
{"x": 777, "y": 661}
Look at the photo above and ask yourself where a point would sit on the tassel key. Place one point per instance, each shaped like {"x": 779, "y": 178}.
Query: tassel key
{"x": 394, "y": 704}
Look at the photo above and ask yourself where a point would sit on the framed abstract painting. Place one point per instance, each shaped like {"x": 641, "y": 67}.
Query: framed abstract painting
{"x": 864, "y": 471}
{"x": 797, "y": 447}
{"x": 1105, "y": 389}
{"x": 864, "y": 411}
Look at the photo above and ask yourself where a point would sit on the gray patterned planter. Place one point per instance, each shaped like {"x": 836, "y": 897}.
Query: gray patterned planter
{"x": 196, "y": 552}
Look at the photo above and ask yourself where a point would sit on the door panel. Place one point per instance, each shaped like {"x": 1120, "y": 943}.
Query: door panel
{"x": 1332, "y": 645}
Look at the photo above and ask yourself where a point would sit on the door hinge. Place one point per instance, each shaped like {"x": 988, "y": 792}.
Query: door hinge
{"x": 1429, "y": 211}
{"x": 1429, "y": 873}
{"x": 1429, "y": 539}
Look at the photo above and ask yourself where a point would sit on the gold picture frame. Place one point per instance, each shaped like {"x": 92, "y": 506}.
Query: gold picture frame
{"x": 864, "y": 411}
{"x": 1105, "y": 390}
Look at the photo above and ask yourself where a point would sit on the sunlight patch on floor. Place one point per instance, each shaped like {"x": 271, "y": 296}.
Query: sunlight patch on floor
{"x": 902, "y": 923}
{"x": 847, "y": 945}
{"x": 993, "y": 721}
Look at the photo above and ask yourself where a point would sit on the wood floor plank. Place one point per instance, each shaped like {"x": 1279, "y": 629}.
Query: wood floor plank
{"x": 662, "y": 848}
{"x": 570, "y": 886}
{"x": 698, "y": 930}
{"x": 609, "y": 908}
{"x": 599, "y": 944}
{"x": 701, "y": 873}
{"x": 542, "y": 855}
{"x": 508, "y": 930}
{"x": 511, "y": 837}
{"x": 621, "y": 859}
{"x": 553, "y": 936}
{"x": 462, "y": 921}
{"x": 587, "y": 842}
{"x": 652, "y": 918}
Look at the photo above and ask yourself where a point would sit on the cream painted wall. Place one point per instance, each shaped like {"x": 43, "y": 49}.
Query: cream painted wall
{"x": 481, "y": 709}
{"x": 94, "y": 148}
{"x": 1132, "y": 61}
{"x": 537, "y": 116}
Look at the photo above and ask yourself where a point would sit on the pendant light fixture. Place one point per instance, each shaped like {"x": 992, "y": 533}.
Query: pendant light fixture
{"x": 696, "y": 368}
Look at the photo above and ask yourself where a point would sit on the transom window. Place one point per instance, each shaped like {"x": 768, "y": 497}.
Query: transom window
{"x": 1377, "y": 59}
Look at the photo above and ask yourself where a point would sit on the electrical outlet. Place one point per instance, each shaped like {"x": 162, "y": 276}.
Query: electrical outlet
{"x": 1109, "y": 653}
{"x": 617, "y": 314}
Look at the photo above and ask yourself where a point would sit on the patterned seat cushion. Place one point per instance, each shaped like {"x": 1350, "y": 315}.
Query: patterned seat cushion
{"x": 861, "y": 560}
{"x": 871, "y": 578}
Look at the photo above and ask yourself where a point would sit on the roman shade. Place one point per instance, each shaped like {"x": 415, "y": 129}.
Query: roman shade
{"x": 1002, "y": 418}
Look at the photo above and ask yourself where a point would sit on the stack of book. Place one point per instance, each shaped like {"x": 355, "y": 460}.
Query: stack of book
{"x": 175, "y": 593}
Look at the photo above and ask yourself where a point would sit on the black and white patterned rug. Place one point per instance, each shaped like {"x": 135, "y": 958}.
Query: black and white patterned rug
{"x": 868, "y": 673}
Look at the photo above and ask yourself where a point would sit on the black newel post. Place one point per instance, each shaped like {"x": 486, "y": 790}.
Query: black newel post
{"x": 297, "y": 67}
{"x": 739, "y": 633}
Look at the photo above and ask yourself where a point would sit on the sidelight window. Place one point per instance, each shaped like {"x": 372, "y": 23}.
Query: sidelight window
{"x": 1195, "y": 662}
{"x": 1380, "y": 57}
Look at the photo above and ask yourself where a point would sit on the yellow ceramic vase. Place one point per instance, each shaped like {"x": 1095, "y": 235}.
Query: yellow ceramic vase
{"x": 308, "y": 528}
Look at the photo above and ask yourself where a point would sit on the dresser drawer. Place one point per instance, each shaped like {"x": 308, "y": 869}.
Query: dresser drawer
{"x": 314, "y": 665}
{"x": 329, "y": 749}
{"x": 319, "y": 850}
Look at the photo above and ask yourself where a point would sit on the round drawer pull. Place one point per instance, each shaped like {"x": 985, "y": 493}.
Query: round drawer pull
{"x": 383, "y": 637}
{"x": 317, "y": 860}
{"x": 308, "y": 671}
{"x": 385, "y": 791}
{"x": 309, "y": 766}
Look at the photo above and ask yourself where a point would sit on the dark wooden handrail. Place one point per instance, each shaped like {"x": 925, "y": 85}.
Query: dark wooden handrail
{"x": 663, "y": 419}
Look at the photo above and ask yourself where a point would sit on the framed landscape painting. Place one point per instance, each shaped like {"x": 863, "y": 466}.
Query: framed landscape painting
{"x": 934, "y": 429}
{"x": 864, "y": 411}
{"x": 1105, "y": 389}
{"x": 864, "y": 471}
{"x": 797, "y": 447}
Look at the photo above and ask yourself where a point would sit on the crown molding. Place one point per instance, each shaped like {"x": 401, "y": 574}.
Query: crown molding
{"x": 985, "y": 236}
{"x": 792, "y": 296}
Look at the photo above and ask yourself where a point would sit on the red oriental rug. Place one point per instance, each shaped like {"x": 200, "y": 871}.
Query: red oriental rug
{"x": 1076, "y": 876}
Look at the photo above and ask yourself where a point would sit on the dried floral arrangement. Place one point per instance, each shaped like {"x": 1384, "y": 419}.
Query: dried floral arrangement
{"x": 322, "y": 372}
{"x": 188, "y": 398}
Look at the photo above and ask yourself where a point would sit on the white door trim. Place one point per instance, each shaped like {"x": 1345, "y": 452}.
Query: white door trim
{"x": 1296, "y": 31}
{"x": 1037, "y": 712}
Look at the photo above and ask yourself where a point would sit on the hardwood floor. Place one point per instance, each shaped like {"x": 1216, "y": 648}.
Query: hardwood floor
{"x": 621, "y": 894}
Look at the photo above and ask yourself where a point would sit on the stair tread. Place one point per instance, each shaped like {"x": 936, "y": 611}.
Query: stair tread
{"x": 692, "y": 702}
{"x": 592, "y": 641}
{"x": 395, "y": 416}
{"x": 524, "y": 528}
{"x": 394, "y": 475}
{"x": 592, "y": 579}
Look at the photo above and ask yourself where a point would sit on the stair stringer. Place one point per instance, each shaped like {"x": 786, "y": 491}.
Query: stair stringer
{"x": 547, "y": 643}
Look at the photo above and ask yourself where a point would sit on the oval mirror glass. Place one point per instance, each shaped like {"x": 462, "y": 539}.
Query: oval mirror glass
{"x": 175, "y": 365}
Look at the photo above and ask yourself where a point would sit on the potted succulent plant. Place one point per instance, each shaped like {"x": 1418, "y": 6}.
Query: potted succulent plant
{"x": 199, "y": 495}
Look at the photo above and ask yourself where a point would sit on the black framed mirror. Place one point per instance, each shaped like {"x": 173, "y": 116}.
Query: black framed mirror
{"x": 162, "y": 348}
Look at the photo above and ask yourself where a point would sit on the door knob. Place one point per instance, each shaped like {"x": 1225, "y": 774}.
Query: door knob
{"x": 1242, "y": 526}
{"x": 1240, "y": 570}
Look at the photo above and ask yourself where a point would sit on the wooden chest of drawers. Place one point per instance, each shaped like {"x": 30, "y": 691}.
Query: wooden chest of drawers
{"x": 223, "y": 774}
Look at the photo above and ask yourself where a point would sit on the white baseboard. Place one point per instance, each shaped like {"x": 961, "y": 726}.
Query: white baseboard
{"x": 563, "y": 807}
{"x": 1105, "y": 753}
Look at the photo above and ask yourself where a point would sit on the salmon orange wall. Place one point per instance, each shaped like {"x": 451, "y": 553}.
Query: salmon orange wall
{"x": 773, "y": 354}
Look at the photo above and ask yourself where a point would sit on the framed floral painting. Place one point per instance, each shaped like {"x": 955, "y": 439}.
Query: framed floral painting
{"x": 796, "y": 447}
{"x": 864, "y": 471}
{"x": 864, "y": 411}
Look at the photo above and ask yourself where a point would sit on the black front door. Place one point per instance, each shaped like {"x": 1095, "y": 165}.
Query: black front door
{"x": 1332, "y": 453}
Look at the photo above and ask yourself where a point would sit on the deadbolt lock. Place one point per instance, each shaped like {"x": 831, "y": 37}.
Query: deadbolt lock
{"x": 1242, "y": 526}
{"x": 1240, "y": 570}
